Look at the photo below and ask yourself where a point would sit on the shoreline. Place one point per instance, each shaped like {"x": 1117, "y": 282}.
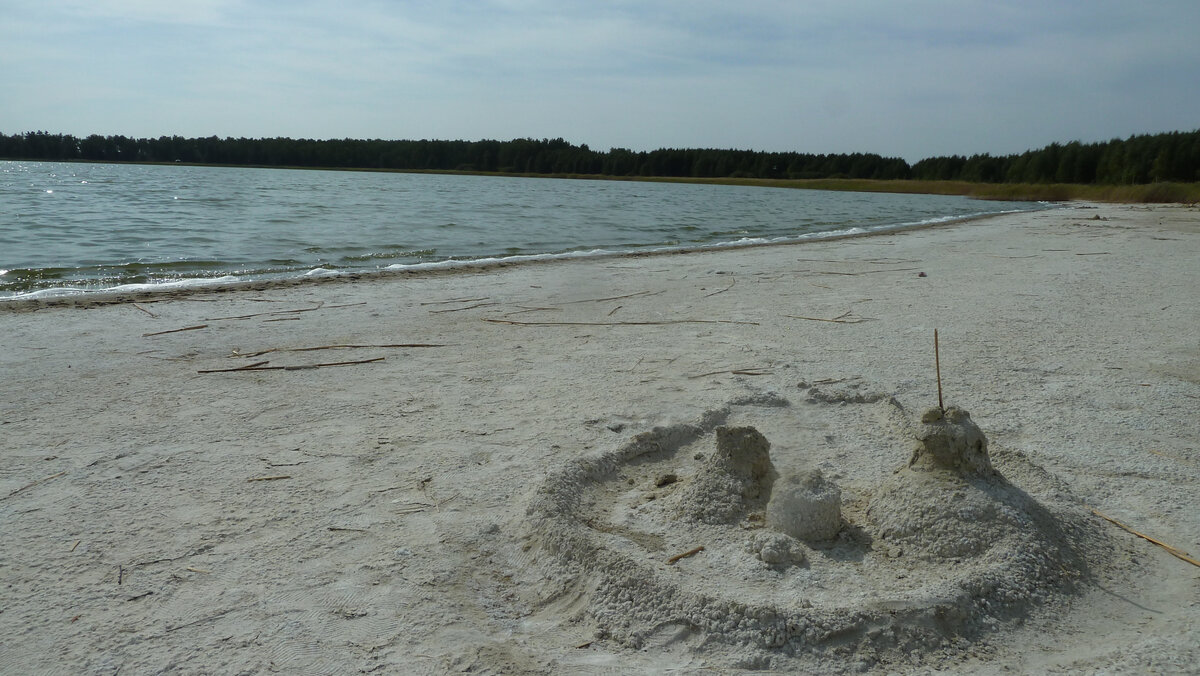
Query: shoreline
{"x": 340, "y": 477}
{"x": 112, "y": 296}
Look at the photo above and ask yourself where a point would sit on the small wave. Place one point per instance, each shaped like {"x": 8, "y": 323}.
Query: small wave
{"x": 58, "y": 291}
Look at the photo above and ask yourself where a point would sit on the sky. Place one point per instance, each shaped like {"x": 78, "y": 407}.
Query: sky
{"x": 903, "y": 79}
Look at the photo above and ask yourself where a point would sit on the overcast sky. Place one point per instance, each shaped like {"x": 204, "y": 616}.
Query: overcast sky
{"x": 910, "y": 79}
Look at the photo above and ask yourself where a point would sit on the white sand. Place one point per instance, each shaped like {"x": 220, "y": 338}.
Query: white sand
{"x": 384, "y": 517}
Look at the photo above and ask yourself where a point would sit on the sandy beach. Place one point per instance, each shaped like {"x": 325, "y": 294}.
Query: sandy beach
{"x": 510, "y": 470}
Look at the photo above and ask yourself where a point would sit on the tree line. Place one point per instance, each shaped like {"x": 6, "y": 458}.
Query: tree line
{"x": 1147, "y": 158}
{"x": 1138, "y": 159}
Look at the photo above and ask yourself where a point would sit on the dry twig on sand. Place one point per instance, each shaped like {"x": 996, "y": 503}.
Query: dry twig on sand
{"x": 318, "y": 306}
{"x": 453, "y": 300}
{"x": 1177, "y": 553}
{"x": 255, "y": 365}
{"x": 335, "y": 347}
{"x": 31, "y": 485}
{"x": 690, "y": 552}
{"x": 460, "y": 309}
{"x": 731, "y": 283}
{"x": 299, "y": 367}
{"x": 186, "y": 328}
{"x": 270, "y": 478}
{"x": 658, "y": 323}
{"x": 152, "y": 315}
{"x": 600, "y": 300}
{"x": 736, "y": 372}
{"x": 843, "y": 318}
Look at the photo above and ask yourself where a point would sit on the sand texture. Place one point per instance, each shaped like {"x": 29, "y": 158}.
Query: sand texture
{"x": 706, "y": 462}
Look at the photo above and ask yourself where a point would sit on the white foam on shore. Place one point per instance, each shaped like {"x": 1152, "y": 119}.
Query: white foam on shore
{"x": 465, "y": 263}
{"x": 60, "y": 291}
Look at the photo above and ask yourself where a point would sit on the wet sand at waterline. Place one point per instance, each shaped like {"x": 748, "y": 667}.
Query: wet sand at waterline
{"x": 542, "y": 468}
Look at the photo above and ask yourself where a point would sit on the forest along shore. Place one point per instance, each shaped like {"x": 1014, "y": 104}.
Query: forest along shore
{"x": 369, "y": 475}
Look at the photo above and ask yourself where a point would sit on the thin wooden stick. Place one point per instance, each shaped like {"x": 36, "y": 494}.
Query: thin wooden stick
{"x": 734, "y": 281}
{"x": 460, "y": 309}
{"x": 676, "y": 321}
{"x": 337, "y": 347}
{"x": 690, "y": 552}
{"x": 255, "y": 365}
{"x": 144, "y": 310}
{"x": 453, "y": 300}
{"x": 736, "y": 372}
{"x": 270, "y": 478}
{"x": 835, "y": 320}
{"x": 1179, "y": 554}
{"x": 937, "y": 363}
{"x": 277, "y": 312}
{"x": 299, "y": 367}
{"x": 186, "y": 328}
{"x": 599, "y": 300}
{"x": 31, "y": 485}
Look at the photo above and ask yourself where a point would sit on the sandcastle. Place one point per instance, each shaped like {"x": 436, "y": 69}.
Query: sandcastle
{"x": 738, "y": 550}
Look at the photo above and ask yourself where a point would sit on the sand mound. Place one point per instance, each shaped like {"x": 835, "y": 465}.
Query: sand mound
{"x": 691, "y": 535}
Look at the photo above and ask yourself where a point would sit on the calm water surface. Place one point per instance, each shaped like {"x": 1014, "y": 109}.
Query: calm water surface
{"x": 71, "y": 228}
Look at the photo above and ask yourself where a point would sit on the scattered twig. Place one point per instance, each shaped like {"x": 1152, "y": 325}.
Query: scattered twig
{"x": 318, "y": 306}
{"x": 861, "y": 272}
{"x": 460, "y": 309}
{"x": 840, "y": 319}
{"x": 1094, "y": 253}
{"x": 186, "y": 328}
{"x": 532, "y": 309}
{"x": 1179, "y": 554}
{"x": 282, "y": 319}
{"x": 600, "y": 300}
{"x": 144, "y": 310}
{"x": 201, "y": 620}
{"x": 736, "y": 372}
{"x": 139, "y": 596}
{"x": 255, "y": 365}
{"x": 270, "y": 478}
{"x": 731, "y": 283}
{"x": 614, "y": 310}
{"x": 336, "y": 347}
{"x": 341, "y": 528}
{"x": 937, "y": 364}
{"x": 198, "y": 570}
{"x": 690, "y": 552}
{"x": 658, "y": 323}
{"x": 120, "y": 575}
{"x": 581, "y": 646}
{"x": 75, "y": 545}
{"x": 31, "y": 485}
{"x": 299, "y": 367}
{"x": 453, "y": 300}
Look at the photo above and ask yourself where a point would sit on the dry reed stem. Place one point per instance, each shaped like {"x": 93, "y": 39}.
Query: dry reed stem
{"x": 658, "y": 323}
{"x": 31, "y": 485}
{"x": 454, "y": 300}
{"x": 270, "y": 478}
{"x": 600, "y": 300}
{"x": 736, "y": 372}
{"x": 299, "y": 367}
{"x": 186, "y": 328}
{"x": 336, "y": 347}
{"x": 690, "y": 552}
{"x": 144, "y": 310}
{"x": 1177, "y": 553}
{"x": 460, "y": 309}
{"x": 731, "y": 283}
{"x": 937, "y": 364}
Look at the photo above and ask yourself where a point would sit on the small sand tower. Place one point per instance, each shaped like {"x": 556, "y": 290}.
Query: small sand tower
{"x": 735, "y": 479}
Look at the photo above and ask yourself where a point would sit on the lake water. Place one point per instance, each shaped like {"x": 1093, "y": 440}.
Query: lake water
{"x": 76, "y": 228}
